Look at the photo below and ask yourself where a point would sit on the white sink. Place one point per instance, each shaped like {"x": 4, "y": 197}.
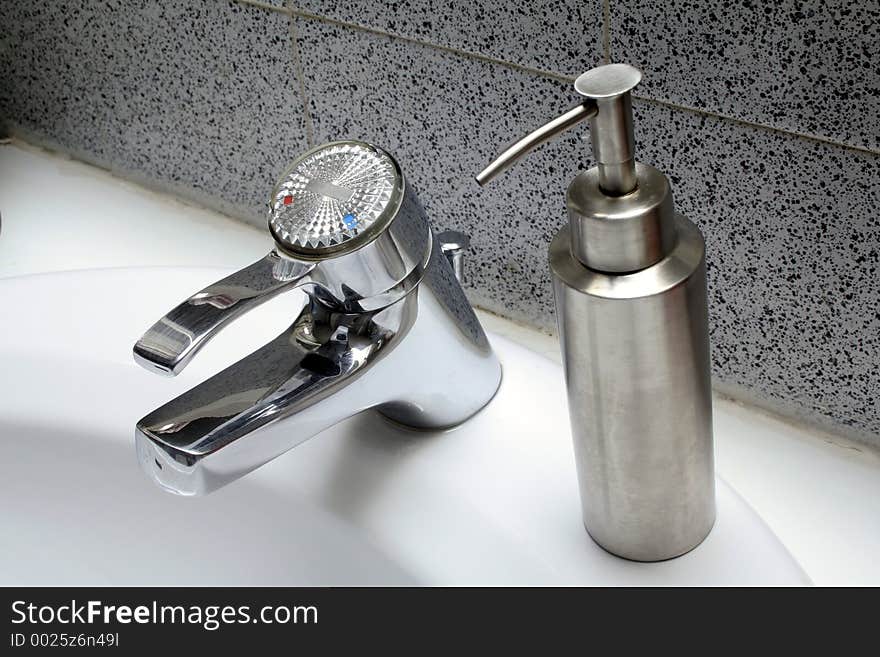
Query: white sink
{"x": 492, "y": 502}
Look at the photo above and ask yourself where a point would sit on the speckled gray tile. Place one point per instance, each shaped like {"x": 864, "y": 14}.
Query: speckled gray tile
{"x": 793, "y": 238}
{"x": 444, "y": 117}
{"x": 808, "y": 67}
{"x": 198, "y": 97}
{"x": 794, "y": 251}
{"x": 559, "y": 36}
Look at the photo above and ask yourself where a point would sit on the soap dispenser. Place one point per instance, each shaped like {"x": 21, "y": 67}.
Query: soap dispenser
{"x": 629, "y": 280}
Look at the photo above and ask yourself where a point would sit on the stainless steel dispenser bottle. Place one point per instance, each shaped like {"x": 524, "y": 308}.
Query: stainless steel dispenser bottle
{"x": 629, "y": 279}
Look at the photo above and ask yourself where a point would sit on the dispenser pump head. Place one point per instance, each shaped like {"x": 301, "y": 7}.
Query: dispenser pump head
{"x": 609, "y": 108}
{"x": 621, "y": 215}
{"x": 611, "y": 129}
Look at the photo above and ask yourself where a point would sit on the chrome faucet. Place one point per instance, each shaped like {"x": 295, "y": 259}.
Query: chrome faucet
{"x": 385, "y": 321}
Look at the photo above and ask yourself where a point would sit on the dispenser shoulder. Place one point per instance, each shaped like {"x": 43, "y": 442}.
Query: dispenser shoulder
{"x": 683, "y": 261}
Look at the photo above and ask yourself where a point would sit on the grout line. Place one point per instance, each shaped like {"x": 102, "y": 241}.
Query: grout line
{"x": 560, "y": 77}
{"x": 760, "y": 126}
{"x": 606, "y": 30}
{"x": 297, "y": 61}
{"x": 464, "y": 53}
{"x": 263, "y": 5}
{"x": 301, "y": 78}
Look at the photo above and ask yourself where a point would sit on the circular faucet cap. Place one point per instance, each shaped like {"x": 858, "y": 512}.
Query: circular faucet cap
{"x": 334, "y": 199}
{"x": 607, "y": 81}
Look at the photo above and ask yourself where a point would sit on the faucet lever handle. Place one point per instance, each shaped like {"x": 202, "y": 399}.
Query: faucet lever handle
{"x": 169, "y": 345}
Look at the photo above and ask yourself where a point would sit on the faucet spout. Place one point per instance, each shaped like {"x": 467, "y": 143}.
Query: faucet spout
{"x": 191, "y": 444}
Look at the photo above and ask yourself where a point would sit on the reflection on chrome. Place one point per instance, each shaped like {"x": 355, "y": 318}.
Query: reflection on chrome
{"x": 386, "y": 326}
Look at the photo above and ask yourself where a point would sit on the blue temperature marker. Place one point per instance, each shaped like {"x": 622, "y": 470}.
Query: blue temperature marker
{"x": 350, "y": 220}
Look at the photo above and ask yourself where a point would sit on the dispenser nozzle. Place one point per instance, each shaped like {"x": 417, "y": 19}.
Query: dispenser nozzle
{"x": 545, "y": 133}
{"x": 609, "y": 107}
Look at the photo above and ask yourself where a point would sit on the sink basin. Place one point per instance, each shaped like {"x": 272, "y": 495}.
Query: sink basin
{"x": 494, "y": 501}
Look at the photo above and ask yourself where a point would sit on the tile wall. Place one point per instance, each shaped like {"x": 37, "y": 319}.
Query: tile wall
{"x": 766, "y": 116}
